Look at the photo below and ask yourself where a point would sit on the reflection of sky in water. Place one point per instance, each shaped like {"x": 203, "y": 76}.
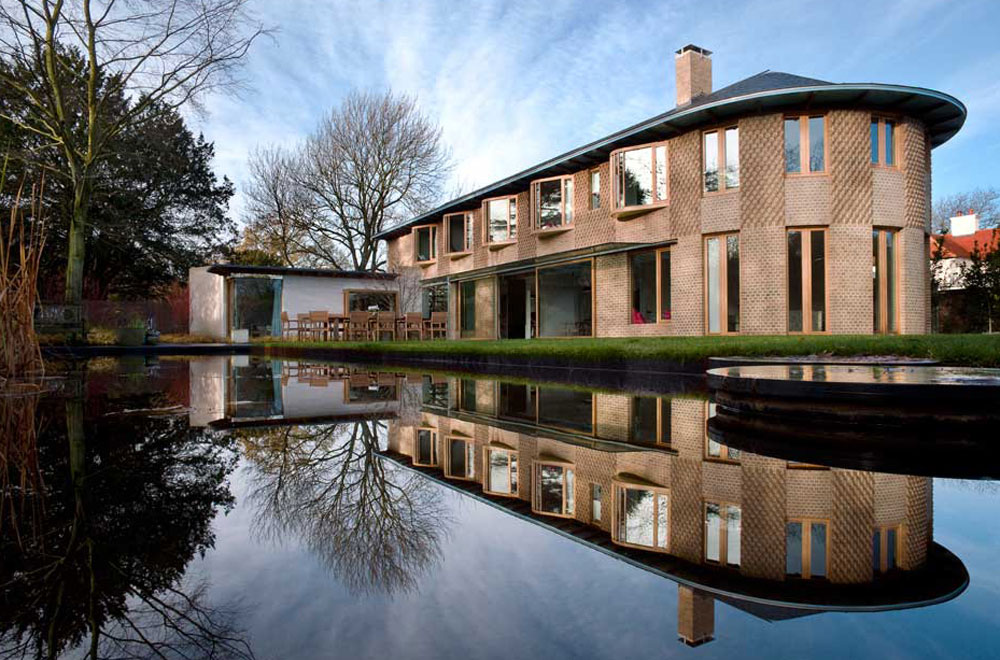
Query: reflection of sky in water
{"x": 507, "y": 588}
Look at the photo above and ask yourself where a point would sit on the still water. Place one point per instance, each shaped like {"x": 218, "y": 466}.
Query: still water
{"x": 238, "y": 507}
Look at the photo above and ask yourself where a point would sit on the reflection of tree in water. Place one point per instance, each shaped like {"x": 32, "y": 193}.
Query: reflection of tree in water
{"x": 127, "y": 503}
{"x": 377, "y": 527}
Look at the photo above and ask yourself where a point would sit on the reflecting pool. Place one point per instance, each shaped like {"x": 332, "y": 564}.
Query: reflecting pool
{"x": 245, "y": 507}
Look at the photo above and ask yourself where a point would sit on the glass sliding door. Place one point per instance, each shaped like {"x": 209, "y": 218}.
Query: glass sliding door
{"x": 254, "y": 307}
{"x": 884, "y": 285}
{"x": 565, "y": 300}
{"x": 722, "y": 284}
{"x": 807, "y": 280}
{"x": 467, "y": 309}
{"x": 516, "y": 308}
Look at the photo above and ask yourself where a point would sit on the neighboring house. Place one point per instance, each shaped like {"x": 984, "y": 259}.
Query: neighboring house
{"x": 956, "y": 247}
{"x": 238, "y": 303}
{"x": 735, "y": 212}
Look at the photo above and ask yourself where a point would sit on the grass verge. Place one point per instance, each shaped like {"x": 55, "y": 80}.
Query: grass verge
{"x": 965, "y": 350}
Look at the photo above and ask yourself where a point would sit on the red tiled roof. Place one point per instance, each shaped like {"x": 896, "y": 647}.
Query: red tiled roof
{"x": 961, "y": 246}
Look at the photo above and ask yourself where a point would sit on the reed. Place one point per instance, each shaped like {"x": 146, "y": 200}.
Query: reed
{"x": 22, "y": 241}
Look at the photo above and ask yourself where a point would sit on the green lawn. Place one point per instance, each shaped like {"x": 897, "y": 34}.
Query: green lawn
{"x": 970, "y": 350}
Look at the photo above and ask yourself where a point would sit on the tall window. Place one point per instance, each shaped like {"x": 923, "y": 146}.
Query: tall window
{"x": 639, "y": 176}
{"x": 426, "y": 243}
{"x": 565, "y": 300}
{"x": 554, "y": 491}
{"x": 650, "y": 282}
{"x": 467, "y": 308}
{"x": 884, "y": 284}
{"x": 716, "y": 450}
{"x": 642, "y": 516}
{"x": 806, "y": 548}
{"x": 722, "y": 283}
{"x": 426, "y": 453}
{"x": 501, "y": 471}
{"x": 596, "y": 495}
{"x": 807, "y": 280}
{"x": 467, "y": 395}
{"x": 723, "y": 533}
{"x": 566, "y": 409}
{"x": 650, "y": 423}
{"x": 805, "y": 144}
{"x": 882, "y": 136}
{"x": 553, "y": 202}
{"x": 595, "y": 189}
{"x": 721, "y": 153}
{"x": 461, "y": 458}
{"x": 433, "y": 298}
{"x": 459, "y": 232}
{"x": 501, "y": 219}
{"x": 885, "y": 548}
{"x": 434, "y": 393}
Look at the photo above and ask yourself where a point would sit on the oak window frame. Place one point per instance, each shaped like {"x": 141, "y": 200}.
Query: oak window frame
{"x": 722, "y": 173}
{"x": 568, "y": 509}
{"x": 884, "y": 549}
{"x": 468, "y": 227}
{"x": 658, "y": 257}
{"x": 804, "y": 164}
{"x": 724, "y": 559}
{"x": 468, "y": 452}
{"x": 807, "y": 551}
{"x": 513, "y": 213}
{"x": 595, "y": 188}
{"x": 882, "y": 152}
{"x": 619, "y": 488}
{"x": 806, "y": 282}
{"x": 566, "y": 204}
{"x": 618, "y": 207}
{"x": 723, "y": 280}
{"x": 883, "y": 239}
{"x": 434, "y": 457}
{"x": 513, "y": 470}
{"x": 725, "y": 453}
{"x": 433, "y": 247}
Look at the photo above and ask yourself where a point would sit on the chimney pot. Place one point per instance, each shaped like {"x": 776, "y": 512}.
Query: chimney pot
{"x": 693, "y": 69}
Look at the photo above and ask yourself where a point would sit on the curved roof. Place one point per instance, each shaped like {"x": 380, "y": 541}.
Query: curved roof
{"x": 768, "y": 91}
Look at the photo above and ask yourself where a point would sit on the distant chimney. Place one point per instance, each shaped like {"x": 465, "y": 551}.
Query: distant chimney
{"x": 694, "y": 73}
{"x": 965, "y": 225}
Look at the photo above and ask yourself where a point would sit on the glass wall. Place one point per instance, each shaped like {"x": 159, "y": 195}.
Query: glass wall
{"x": 467, "y": 308}
{"x": 363, "y": 301}
{"x": 255, "y": 305}
{"x": 566, "y": 409}
{"x": 565, "y": 300}
{"x": 433, "y": 298}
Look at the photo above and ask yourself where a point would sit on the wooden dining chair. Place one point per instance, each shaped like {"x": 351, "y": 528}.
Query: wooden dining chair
{"x": 413, "y": 322}
{"x": 288, "y": 326}
{"x": 319, "y": 321}
{"x": 385, "y": 323}
{"x": 358, "y": 326}
{"x": 437, "y": 326}
{"x": 304, "y": 325}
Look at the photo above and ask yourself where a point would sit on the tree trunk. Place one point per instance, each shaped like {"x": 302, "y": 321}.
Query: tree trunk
{"x": 77, "y": 250}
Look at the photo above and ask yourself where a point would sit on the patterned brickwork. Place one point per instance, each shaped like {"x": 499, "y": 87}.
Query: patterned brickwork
{"x": 851, "y": 526}
{"x": 809, "y": 494}
{"x": 850, "y": 272}
{"x": 687, "y": 521}
{"x": 851, "y": 197}
{"x": 919, "y": 527}
{"x": 763, "y": 522}
{"x": 763, "y": 288}
{"x": 762, "y": 178}
{"x": 722, "y": 482}
{"x": 890, "y": 499}
{"x": 720, "y": 213}
{"x": 485, "y": 310}
{"x": 687, "y": 427}
{"x": 613, "y": 415}
{"x": 850, "y": 167}
{"x": 888, "y": 197}
{"x": 808, "y": 201}
{"x": 914, "y": 280}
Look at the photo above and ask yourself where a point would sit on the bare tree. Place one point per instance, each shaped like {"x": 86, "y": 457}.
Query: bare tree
{"x": 161, "y": 53}
{"x": 983, "y": 201}
{"x": 374, "y": 161}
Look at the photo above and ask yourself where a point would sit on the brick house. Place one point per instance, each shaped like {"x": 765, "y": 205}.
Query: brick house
{"x": 734, "y": 212}
{"x": 640, "y": 478}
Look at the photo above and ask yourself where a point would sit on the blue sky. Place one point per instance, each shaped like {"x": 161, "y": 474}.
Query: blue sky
{"x": 515, "y": 83}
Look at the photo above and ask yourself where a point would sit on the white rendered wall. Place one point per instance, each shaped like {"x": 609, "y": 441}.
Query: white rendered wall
{"x": 303, "y": 294}
{"x": 206, "y": 296}
{"x": 207, "y": 383}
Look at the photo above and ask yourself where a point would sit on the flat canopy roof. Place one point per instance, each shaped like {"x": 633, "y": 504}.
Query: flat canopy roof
{"x": 769, "y": 91}
{"x": 236, "y": 269}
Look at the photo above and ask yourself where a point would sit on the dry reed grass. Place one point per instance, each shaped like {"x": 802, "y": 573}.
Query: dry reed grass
{"x": 21, "y": 246}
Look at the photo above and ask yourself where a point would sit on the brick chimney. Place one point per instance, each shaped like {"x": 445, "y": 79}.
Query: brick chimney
{"x": 695, "y": 616}
{"x": 694, "y": 73}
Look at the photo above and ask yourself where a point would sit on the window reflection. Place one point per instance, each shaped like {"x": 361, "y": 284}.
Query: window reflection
{"x": 554, "y": 486}
{"x": 642, "y": 515}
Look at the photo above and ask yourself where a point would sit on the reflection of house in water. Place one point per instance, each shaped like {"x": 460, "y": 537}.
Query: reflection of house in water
{"x": 638, "y": 477}
{"x": 247, "y": 390}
